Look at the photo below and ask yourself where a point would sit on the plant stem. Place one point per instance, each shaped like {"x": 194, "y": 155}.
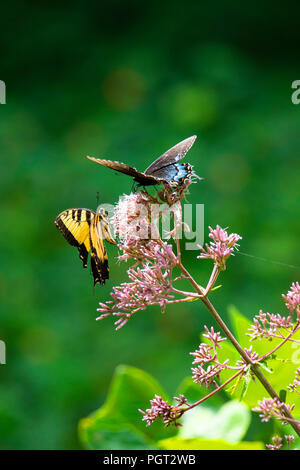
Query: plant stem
{"x": 239, "y": 372}
{"x": 254, "y": 367}
{"x": 287, "y": 338}
{"x": 214, "y": 276}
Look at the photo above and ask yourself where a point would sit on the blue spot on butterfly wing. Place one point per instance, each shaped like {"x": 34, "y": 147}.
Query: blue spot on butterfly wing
{"x": 176, "y": 173}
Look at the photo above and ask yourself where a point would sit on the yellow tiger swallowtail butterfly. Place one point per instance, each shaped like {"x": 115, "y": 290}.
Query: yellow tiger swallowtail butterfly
{"x": 86, "y": 229}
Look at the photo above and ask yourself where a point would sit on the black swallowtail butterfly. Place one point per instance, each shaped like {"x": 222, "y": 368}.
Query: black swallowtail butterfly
{"x": 163, "y": 169}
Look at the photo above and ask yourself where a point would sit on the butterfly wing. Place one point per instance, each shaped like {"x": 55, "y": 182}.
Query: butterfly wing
{"x": 86, "y": 230}
{"x": 104, "y": 226}
{"x": 176, "y": 174}
{"x": 141, "y": 178}
{"x": 74, "y": 224}
{"x": 160, "y": 170}
{"x": 98, "y": 232}
{"x": 170, "y": 157}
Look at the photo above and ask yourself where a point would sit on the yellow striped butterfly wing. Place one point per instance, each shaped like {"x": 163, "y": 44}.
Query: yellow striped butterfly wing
{"x": 80, "y": 229}
{"x": 104, "y": 224}
{"x": 98, "y": 232}
{"x": 74, "y": 224}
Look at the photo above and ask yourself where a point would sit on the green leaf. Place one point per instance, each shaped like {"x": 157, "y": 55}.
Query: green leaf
{"x": 107, "y": 434}
{"x": 263, "y": 365}
{"x": 246, "y": 381}
{"x": 229, "y": 422}
{"x": 275, "y": 373}
{"x": 240, "y": 324}
{"x": 216, "y": 287}
{"x": 177, "y": 443}
{"x": 118, "y": 423}
{"x": 282, "y": 395}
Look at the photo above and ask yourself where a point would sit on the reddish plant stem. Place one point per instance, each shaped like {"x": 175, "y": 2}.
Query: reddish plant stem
{"x": 254, "y": 367}
{"x": 239, "y": 372}
{"x": 287, "y": 338}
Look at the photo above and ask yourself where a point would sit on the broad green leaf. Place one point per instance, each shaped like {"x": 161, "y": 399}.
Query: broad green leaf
{"x": 229, "y": 422}
{"x": 280, "y": 372}
{"x": 108, "y": 434}
{"x": 282, "y": 395}
{"x": 279, "y": 369}
{"x": 177, "y": 443}
{"x": 240, "y": 325}
{"x": 131, "y": 389}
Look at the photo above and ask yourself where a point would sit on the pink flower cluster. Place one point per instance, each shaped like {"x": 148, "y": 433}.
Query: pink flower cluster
{"x": 266, "y": 325}
{"x": 207, "y": 376}
{"x": 292, "y": 299}
{"x": 207, "y": 353}
{"x": 150, "y": 284}
{"x": 161, "y": 409}
{"x": 131, "y": 219}
{"x": 278, "y": 442}
{"x": 150, "y": 276}
{"x": 272, "y": 408}
{"x": 293, "y": 387}
{"x": 251, "y": 354}
{"x": 222, "y": 246}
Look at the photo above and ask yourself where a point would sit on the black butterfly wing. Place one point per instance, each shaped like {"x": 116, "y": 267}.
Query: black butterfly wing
{"x": 164, "y": 168}
{"x": 141, "y": 178}
{"x": 171, "y": 156}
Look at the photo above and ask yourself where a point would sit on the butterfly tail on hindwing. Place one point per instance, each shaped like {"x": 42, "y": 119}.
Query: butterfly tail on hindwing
{"x": 99, "y": 262}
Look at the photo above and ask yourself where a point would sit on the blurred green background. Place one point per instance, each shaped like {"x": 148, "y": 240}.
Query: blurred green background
{"x": 126, "y": 81}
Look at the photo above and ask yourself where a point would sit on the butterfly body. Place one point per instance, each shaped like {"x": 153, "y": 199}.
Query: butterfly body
{"x": 86, "y": 229}
{"x": 164, "y": 169}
